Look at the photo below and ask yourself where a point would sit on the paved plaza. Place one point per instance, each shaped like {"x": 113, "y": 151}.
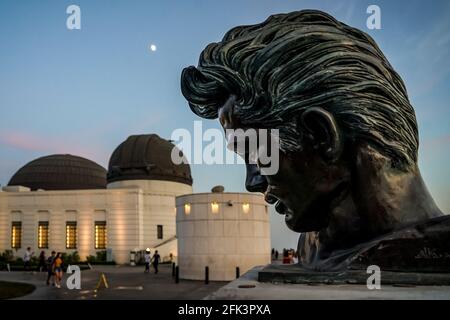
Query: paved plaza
{"x": 125, "y": 282}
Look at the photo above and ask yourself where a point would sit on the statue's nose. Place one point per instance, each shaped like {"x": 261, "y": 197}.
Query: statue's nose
{"x": 254, "y": 181}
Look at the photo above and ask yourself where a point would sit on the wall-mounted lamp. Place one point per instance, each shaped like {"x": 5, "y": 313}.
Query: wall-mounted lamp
{"x": 214, "y": 207}
{"x": 187, "y": 208}
{"x": 246, "y": 207}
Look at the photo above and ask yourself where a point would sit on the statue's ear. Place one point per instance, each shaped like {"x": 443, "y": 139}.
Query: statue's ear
{"x": 323, "y": 132}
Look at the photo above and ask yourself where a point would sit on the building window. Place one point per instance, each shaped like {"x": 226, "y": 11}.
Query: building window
{"x": 71, "y": 235}
{"x": 100, "y": 234}
{"x": 43, "y": 235}
{"x": 160, "y": 231}
{"x": 16, "y": 235}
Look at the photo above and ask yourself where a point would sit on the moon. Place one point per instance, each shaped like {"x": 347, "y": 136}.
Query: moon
{"x": 152, "y": 47}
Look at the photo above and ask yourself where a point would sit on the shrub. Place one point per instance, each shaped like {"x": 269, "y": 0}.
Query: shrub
{"x": 73, "y": 258}
{"x": 7, "y": 256}
{"x": 76, "y": 257}
{"x": 101, "y": 256}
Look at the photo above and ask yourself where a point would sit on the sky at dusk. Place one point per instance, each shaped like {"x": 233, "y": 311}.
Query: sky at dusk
{"x": 85, "y": 91}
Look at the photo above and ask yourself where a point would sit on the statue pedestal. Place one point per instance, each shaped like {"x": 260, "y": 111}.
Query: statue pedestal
{"x": 248, "y": 287}
{"x": 278, "y": 273}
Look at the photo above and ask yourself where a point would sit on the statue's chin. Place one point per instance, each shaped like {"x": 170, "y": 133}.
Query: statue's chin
{"x": 292, "y": 222}
{"x": 297, "y": 224}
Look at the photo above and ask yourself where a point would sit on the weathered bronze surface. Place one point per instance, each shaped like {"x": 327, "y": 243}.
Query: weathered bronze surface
{"x": 348, "y": 179}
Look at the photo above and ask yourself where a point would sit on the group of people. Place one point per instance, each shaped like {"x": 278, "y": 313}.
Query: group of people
{"x": 151, "y": 260}
{"x": 289, "y": 256}
{"x": 52, "y": 264}
{"x": 54, "y": 269}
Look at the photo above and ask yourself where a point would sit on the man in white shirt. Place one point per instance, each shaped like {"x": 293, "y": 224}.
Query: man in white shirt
{"x": 27, "y": 259}
{"x": 147, "y": 258}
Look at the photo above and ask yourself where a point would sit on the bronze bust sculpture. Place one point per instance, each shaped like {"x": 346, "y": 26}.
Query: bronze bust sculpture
{"x": 348, "y": 178}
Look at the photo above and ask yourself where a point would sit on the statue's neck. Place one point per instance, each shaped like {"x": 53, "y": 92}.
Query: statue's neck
{"x": 378, "y": 200}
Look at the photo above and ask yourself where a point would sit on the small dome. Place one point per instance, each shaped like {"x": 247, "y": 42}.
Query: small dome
{"x": 60, "y": 172}
{"x": 218, "y": 189}
{"x": 146, "y": 157}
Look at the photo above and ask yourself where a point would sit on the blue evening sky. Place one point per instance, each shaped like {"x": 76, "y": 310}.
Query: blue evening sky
{"x": 84, "y": 91}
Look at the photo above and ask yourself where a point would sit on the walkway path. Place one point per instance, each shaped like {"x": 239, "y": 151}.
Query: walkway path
{"x": 125, "y": 282}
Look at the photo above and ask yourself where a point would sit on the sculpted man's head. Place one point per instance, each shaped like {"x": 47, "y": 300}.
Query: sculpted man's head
{"x": 348, "y": 133}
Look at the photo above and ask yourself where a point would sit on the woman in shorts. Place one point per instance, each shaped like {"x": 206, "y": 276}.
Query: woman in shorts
{"x": 57, "y": 267}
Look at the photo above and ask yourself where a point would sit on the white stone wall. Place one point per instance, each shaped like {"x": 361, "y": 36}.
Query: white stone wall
{"x": 158, "y": 199}
{"x": 132, "y": 210}
{"x": 120, "y": 208}
{"x": 224, "y": 240}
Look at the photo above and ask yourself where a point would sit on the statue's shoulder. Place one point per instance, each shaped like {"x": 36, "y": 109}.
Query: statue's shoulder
{"x": 419, "y": 247}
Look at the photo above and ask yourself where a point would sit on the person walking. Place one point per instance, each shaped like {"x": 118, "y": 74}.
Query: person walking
{"x": 156, "y": 258}
{"x": 57, "y": 266}
{"x": 50, "y": 271}
{"x": 147, "y": 258}
{"x": 42, "y": 263}
{"x": 27, "y": 259}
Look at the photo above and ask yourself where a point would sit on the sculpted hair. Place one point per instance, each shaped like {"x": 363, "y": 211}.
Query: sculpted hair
{"x": 292, "y": 62}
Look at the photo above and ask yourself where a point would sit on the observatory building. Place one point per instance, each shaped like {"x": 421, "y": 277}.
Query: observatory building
{"x": 67, "y": 203}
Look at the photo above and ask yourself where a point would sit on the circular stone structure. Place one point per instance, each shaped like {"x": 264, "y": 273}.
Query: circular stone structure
{"x": 60, "y": 172}
{"x": 221, "y": 231}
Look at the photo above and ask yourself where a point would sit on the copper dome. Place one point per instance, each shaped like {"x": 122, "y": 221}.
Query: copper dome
{"x": 60, "y": 172}
{"x": 146, "y": 157}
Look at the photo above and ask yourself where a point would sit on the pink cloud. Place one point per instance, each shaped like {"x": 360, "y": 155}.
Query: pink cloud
{"x": 25, "y": 142}
{"x": 52, "y": 145}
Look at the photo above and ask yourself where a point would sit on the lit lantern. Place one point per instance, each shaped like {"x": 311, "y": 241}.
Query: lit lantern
{"x": 246, "y": 207}
{"x": 214, "y": 207}
{"x": 187, "y": 208}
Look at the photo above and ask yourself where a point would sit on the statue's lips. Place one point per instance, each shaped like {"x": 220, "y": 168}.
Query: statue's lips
{"x": 280, "y": 207}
